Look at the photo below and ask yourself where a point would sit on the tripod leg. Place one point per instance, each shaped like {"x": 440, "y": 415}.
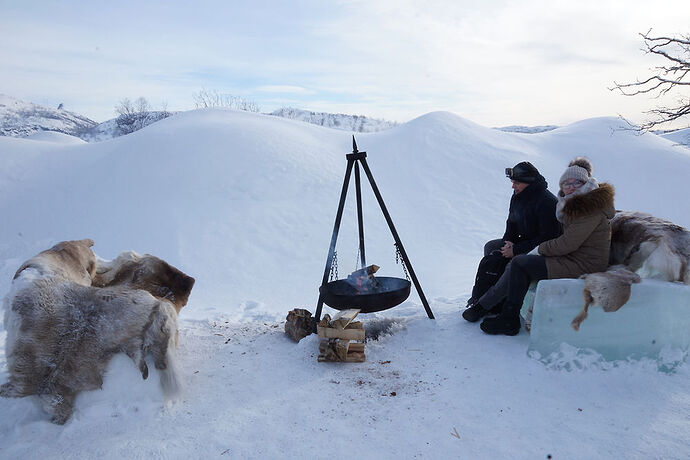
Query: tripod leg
{"x": 360, "y": 218}
{"x": 334, "y": 237}
{"x": 406, "y": 260}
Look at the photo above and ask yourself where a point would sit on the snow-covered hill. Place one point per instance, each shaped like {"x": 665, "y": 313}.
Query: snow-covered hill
{"x": 245, "y": 203}
{"x": 264, "y": 190}
{"x": 354, "y": 123}
{"x": 527, "y": 129}
{"x": 20, "y": 119}
{"x": 680, "y": 136}
{"x": 109, "y": 129}
{"x": 101, "y": 132}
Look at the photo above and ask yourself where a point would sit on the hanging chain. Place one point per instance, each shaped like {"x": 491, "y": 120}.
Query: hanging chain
{"x": 357, "y": 267}
{"x": 401, "y": 260}
{"x": 334, "y": 267}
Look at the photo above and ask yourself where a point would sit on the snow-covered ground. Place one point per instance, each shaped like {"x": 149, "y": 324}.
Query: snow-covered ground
{"x": 245, "y": 203}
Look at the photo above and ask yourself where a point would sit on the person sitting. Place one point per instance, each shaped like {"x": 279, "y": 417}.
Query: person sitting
{"x": 531, "y": 220}
{"x": 585, "y": 208}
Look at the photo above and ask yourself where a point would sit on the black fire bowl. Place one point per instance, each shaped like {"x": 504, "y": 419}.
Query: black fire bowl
{"x": 342, "y": 295}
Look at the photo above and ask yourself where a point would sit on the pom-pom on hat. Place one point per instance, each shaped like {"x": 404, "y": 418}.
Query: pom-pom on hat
{"x": 583, "y": 163}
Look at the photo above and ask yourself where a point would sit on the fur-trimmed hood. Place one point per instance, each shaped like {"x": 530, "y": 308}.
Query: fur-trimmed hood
{"x": 597, "y": 200}
{"x": 585, "y": 243}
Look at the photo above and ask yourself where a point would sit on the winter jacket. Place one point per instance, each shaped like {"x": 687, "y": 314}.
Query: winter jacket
{"x": 532, "y": 217}
{"x": 586, "y": 241}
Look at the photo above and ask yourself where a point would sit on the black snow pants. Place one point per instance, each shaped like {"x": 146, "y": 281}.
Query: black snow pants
{"x": 514, "y": 283}
{"x": 490, "y": 269}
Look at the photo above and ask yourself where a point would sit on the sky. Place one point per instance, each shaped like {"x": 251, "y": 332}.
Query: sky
{"x": 496, "y": 63}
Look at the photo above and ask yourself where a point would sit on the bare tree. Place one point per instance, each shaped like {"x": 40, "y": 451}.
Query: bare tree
{"x": 207, "y": 98}
{"x": 674, "y": 74}
{"x": 164, "y": 111}
{"x": 142, "y": 105}
{"x": 212, "y": 98}
{"x": 132, "y": 116}
{"x": 127, "y": 116}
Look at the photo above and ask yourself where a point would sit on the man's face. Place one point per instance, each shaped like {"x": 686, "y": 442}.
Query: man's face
{"x": 518, "y": 186}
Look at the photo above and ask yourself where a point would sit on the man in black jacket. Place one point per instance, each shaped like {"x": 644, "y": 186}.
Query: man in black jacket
{"x": 531, "y": 220}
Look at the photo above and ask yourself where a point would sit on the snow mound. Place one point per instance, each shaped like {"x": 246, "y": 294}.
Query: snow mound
{"x": 245, "y": 202}
{"x": 681, "y": 136}
{"x": 52, "y": 136}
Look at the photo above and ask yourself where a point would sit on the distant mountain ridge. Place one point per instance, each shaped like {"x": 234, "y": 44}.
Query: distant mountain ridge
{"x": 355, "y": 123}
{"x": 21, "y": 119}
{"x": 527, "y": 129}
{"x": 679, "y": 136}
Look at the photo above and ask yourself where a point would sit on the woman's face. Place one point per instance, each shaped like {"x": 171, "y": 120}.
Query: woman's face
{"x": 570, "y": 186}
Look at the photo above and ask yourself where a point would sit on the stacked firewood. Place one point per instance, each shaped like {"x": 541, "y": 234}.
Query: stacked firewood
{"x": 342, "y": 339}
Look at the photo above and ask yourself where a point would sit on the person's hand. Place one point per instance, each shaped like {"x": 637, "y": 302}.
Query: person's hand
{"x": 507, "y": 250}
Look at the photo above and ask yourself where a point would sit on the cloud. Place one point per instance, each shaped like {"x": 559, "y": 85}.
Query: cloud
{"x": 284, "y": 89}
{"x": 499, "y": 62}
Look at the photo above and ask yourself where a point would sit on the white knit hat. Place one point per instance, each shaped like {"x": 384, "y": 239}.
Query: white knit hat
{"x": 574, "y": 172}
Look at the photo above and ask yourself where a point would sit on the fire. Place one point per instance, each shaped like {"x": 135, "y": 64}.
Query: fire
{"x": 363, "y": 279}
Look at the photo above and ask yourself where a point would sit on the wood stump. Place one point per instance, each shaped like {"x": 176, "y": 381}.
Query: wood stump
{"x": 299, "y": 323}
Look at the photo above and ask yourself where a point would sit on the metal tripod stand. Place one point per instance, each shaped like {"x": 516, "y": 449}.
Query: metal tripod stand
{"x": 354, "y": 159}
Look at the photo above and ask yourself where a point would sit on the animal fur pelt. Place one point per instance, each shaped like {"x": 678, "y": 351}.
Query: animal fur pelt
{"x": 146, "y": 272}
{"x": 69, "y": 260}
{"x": 62, "y": 333}
{"x": 650, "y": 246}
{"x": 609, "y": 289}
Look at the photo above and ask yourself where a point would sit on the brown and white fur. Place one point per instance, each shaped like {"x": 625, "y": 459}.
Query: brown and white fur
{"x": 609, "y": 289}
{"x": 62, "y": 333}
{"x": 650, "y": 246}
{"x": 68, "y": 260}
{"x": 145, "y": 272}
{"x": 642, "y": 246}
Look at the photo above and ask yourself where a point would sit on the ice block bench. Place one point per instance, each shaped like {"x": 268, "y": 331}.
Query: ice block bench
{"x": 656, "y": 316}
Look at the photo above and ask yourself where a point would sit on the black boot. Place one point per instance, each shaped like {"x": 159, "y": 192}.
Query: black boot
{"x": 474, "y": 312}
{"x": 502, "y": 324}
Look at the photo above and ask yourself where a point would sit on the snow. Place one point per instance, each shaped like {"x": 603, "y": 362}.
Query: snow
{"x": 355, "y": 123}
{"x": 24, "y": 119}
{"x": 680, "y": 136}
{"x": 527, "y": 129}
{"x": 54, "y": 136}
{"x": 20, "y": 118}
{"x": 245, "y": 203}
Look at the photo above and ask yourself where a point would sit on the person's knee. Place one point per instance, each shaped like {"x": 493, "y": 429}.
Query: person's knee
{"x": 533, "y": 266}
{"x": 492, "y": 245}
{"x": 520, "y": 261}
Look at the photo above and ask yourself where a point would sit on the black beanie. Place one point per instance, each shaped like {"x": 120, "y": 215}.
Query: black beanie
{"x": 523, "y": 172}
